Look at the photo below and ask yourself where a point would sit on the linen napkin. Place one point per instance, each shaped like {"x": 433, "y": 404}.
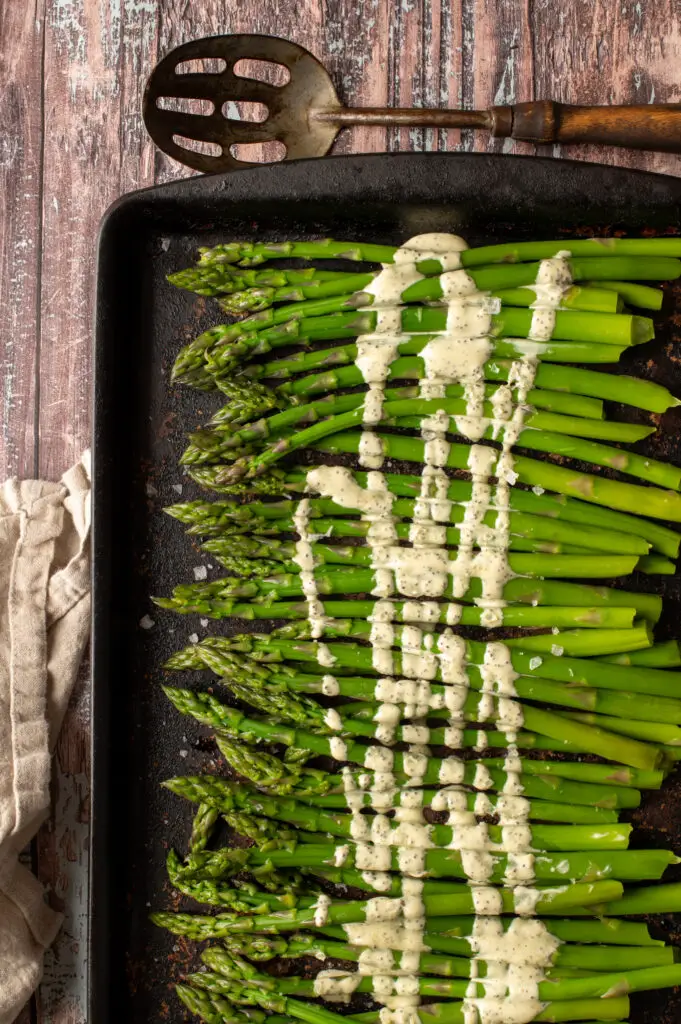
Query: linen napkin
{"x": 44, "y": 627}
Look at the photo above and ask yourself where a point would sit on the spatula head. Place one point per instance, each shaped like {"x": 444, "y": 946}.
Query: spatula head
{"x": 288, "y": 105}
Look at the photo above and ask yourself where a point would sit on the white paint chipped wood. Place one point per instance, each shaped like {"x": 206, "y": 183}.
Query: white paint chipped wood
{"x": 56, "y": 183}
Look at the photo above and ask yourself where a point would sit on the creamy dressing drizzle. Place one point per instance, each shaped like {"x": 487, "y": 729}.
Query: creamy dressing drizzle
{"x": 416, "y": 572}
{"x": 392, "y": 934}
{"x": 516, "y": 960}
{"x": 304, "y": 559}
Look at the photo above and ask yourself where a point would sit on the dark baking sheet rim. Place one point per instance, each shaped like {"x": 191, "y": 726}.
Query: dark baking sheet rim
{"x": 384, "y": 178}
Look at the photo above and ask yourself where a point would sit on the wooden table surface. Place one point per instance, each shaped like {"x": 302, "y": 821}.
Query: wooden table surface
{"x": 72, "y": 140}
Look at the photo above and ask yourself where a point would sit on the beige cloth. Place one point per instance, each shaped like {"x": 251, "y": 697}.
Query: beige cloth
{"x": 44, "y": 626}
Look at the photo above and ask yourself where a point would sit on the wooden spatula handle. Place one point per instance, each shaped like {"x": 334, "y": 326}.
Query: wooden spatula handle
{"x": 644, "y": 127}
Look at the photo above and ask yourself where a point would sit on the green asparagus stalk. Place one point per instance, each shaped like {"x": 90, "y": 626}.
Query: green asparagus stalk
{"x": 598, "y": 986}
{"x": 658, "y": 899}
{"x": 222, "y": 279}
{"x": 634, "y": 391}
{"x": 591, "y": 300}
{"x": 229, "y": 796}
{"x": 270, "y": 286}
{"x": 254, "y": 300}
{"x": 342, "y": 579}
{"x": 214, "y": 1009}
{"x": 663, "y": 655}
{"x": 556, "y": 868}
{"x": 555, "y": 404}
{"x": 651, "y": 732}
{"x": 236, "y": 543}
{"x": 204, "y": 823}
{"x": 200, "y": 927}
{"x": 263, "y": 948}
{"x": 251, "y": 254}
{"x": 270, "y": 773}
{"x": 513, "y": 616}
{"x": 228, "y": 519}
{"x": 626, "y": 497}
{"x": 634, "y": 294}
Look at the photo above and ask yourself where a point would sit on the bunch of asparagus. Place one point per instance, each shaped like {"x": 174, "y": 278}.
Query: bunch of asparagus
{"x": 297, "y": 862}
{"x": 596, "y": 684}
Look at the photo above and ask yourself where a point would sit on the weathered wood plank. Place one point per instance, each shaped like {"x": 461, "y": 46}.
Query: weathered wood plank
{"x": 94, "y": 149}
{"x": 62, "y": 848}
{"x": 423, "y": 63}
{"x": 502, "y": 67}
{"x": 609, "y": 53}
{"x": 353, "y": 46}
{"x": 21, "y": 129}
{"x": 98, "y": 57}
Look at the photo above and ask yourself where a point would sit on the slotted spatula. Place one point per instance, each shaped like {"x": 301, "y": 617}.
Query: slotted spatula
{"x": 306, "y": 114}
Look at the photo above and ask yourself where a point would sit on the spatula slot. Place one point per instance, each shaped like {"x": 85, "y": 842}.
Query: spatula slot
{"x": 257, "y": 152}
{"x": 197, "y": 146}
{"x": 262, "y": 71}
{"x": 187, "y": 106}
{"x": 201, "y": 65}
{"x": 239, "y": 110}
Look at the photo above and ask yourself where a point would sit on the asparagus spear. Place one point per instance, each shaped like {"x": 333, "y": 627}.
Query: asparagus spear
{"x": 607, "y": 931}
{"x": 513, "y": 616}
{"x": 229, "y": 518}
{"x": 212, "y": 1008}
{"x": 204, "y": 823}
{"x": 634, "y": 294}
{"x": 333, "y": 580}
{"x": 626, "y": 497}
{"x": 254, "y": 300}
{"x": 556, "y": 868}
{"x": 264, "y": 947}
{"x": 309, "y": 785}
{"x": 223, "y": 279}
{"x": 229, "y": 796}
{"x": 658, "y": 899}
{"x": 558, "y": 989}
{"x": 634, "y": 391}
{"x": 663, "y": 655}
{"x": 237, "y": 543}
{"x": 250, "y": 254}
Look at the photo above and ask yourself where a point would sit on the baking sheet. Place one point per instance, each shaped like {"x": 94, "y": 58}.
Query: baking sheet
{"x": 140, "y": 427}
